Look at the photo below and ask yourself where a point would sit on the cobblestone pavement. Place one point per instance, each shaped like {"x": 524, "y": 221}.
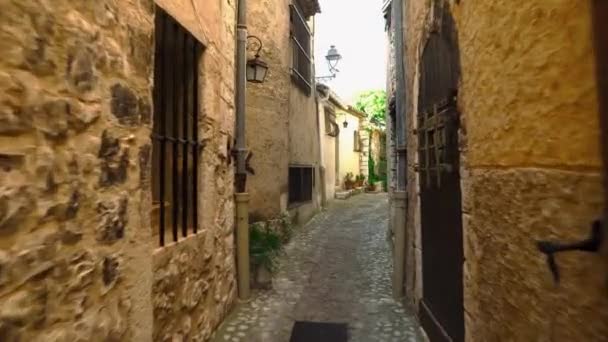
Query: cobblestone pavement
{"x": 335, "y": 269}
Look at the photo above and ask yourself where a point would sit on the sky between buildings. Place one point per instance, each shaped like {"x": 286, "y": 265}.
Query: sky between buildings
{"x": 356, "y": 28}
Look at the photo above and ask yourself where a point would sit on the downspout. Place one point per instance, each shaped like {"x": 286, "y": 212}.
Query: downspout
{"x": 240, "y": 152}
{"x": 320, "y": 99}
{"x": 400, "y": 195}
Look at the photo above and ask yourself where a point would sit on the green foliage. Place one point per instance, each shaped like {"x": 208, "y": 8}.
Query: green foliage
{"x": 371, "y": 168}
{"x": 264, "y": 246}
{"x": 349, "y": 177}
{"x": 377, "y": 173}
{"x": 373, "y": 102}
{"x": 287, "y": 226}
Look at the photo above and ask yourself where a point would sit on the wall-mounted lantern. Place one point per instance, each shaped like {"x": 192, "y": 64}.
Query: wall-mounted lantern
{"x": 345, "y": 123}
{"x": 256, "y": 67}
{"x": 332, "y": 57}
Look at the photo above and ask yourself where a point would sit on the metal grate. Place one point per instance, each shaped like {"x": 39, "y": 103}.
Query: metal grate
{"x": 301, "y": 182}
{"x": 176, "y": 145}
{"x": 304, "y": 331}
{"x": 302, "y": 61}
{"x": 437, "y": 137}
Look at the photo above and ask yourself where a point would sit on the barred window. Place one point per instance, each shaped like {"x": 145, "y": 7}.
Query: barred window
{"x": 176, "y": 147}
{"x": 301, "y": 183}
{"x": 301, "y": 70}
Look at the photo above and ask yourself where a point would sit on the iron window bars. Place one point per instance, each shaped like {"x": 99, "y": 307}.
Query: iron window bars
{"x": 301, "y": 70}
{"x": 435, "y": 129}
{"x": 301, "y": 181}
{"x": 176, "y": 145}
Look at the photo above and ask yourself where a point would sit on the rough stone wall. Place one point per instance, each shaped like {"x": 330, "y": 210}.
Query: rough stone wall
{"x": 376, "y": 149}
{"x": 532, "y": 154}
{"x": 267, "y": 110}
{"x": 530, "y": 167}
{"x": 416, "y": 18}
{"x": 75, "y": 104}
{"x": 195, "y": 280}
{"x": 77, "y": 258}
{"x": 365, "y": 151}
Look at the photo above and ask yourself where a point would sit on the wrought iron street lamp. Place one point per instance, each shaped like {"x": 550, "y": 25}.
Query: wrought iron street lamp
{"x": 332, "y": 57}
{"x": 256, "y": 67}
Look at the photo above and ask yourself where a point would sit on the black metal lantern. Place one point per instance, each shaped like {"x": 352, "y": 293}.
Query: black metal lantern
{"x": 345, "y": 123}
{"x": 256, "y": 67}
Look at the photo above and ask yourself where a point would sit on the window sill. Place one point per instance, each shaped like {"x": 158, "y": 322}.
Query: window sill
{"x": 295, "y": 205}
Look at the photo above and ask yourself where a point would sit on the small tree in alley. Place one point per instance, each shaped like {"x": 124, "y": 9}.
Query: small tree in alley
{"x": 373, "y": 103}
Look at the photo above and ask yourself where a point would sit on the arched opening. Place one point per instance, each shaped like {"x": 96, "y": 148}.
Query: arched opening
{"x": 441, "y": 308}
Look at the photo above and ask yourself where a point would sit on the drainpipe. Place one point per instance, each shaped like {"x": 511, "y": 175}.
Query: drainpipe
{"x": 321, "y": 100}
{"x": 400, "y": 195}
{"x": 240, "y": 151}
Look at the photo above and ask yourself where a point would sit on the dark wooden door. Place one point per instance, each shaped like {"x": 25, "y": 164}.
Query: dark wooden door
{"x": 441, "y": 308}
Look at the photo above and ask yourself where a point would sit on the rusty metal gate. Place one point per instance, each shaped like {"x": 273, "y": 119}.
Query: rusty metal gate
{"x": 441, "y": 309}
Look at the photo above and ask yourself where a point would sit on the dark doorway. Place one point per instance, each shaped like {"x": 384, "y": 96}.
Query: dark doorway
{"x": 441, "y": 308}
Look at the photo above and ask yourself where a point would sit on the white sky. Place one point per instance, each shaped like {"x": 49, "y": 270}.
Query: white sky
{"x": 356, "y": 28}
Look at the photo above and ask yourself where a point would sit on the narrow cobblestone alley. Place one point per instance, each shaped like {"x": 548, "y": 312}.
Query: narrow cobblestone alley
{"x": 335, "y": 269}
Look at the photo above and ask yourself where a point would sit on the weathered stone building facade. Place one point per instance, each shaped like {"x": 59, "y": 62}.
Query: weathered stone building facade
{"x": 282, "y": 125}
{"x": 79, "y": 252}
{"x": 529, "y": 166}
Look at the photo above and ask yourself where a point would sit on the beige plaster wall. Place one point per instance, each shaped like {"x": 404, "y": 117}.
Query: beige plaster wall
{"x": 349, "y": 160}
{"x": 304, "y": 144}
{"x": 329, "y": 161}
{"x": 267, "y": 110}
{"x": 282, "y": 126}
{"x": 77, "y": 252}
{"x": 530, "y": 168}
{"x": 328, "y": 155}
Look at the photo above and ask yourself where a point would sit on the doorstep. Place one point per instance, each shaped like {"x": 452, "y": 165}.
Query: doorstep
{"x": 345, "y": 194}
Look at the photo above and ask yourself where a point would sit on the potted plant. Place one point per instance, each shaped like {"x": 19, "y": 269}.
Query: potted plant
{"x": 349, "y": 181}
{"x": 360, "y": 180}
{"x": 264, "y": 247}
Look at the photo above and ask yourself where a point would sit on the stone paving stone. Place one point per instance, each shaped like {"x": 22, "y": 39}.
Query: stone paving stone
{"x": 335, "y": 269}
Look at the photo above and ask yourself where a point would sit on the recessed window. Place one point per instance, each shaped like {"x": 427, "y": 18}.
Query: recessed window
{"x": 176, "y": 147}
{"x": 301, "y": 37}
{"x": 301, "y": 183}
{"x": 356, "y": 141}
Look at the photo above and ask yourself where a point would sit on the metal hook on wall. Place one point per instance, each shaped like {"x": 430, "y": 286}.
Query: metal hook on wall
{"x": 592, "y": 244}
